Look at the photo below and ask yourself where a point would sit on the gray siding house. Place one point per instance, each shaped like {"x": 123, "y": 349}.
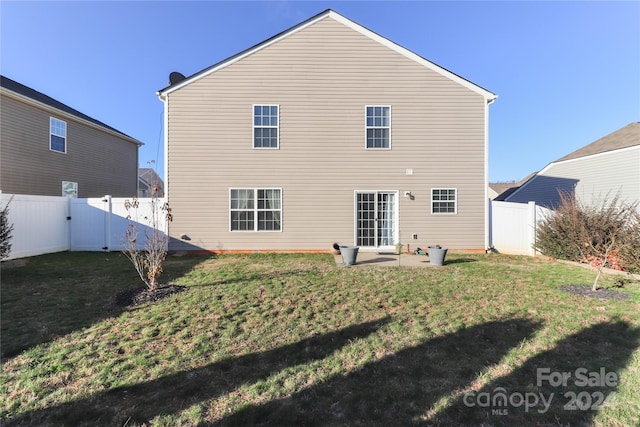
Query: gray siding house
{"x": 326, "y": 132}
{"x": 149, "y": 183}
{"x": 48, "y": 148}
{"x": 607, "y": 167}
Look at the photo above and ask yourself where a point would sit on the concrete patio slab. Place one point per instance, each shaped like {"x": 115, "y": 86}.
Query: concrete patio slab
{"x": 384, "y": 259}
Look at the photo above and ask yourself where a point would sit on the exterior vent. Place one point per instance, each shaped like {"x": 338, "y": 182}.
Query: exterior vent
{"x": 175, "y": 77}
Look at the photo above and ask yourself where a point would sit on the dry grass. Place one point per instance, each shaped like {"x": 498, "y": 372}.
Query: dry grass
{"x": 295, "y": 340}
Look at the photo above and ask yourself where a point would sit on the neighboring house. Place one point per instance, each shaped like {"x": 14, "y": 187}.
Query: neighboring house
{"x": 498, "y": 188}
{"x": 501, "y": 190}
{"x": 48, "y": 148}
{"x": 149, "y": 182}
{"x": 326, "y": 132}
{"x": 605, "y": 168}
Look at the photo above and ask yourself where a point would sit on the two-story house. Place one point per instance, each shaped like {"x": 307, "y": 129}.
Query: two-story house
{"x": 48, "y": 148}
{"x": 326, "y": 132}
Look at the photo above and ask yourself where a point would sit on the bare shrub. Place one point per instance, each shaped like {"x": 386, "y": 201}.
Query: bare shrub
{"x": 605, "y": 234}
{"x": 630, "y": 256}
{"x": 148, "y": 261}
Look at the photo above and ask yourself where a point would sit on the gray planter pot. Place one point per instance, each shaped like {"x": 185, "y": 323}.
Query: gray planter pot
{"x": 436, "y": 255}
{"x": 349, "y": 254}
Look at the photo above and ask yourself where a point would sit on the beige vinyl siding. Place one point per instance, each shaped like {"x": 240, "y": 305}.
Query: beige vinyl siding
{"x": 322, "y": 77}
{"x": 591, "y": 178}
{"x": 99, "y": 162}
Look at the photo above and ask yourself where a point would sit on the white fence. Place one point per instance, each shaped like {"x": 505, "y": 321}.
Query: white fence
{"x": 40, "y": 224}
{"x": 513, "y": 226}
{"x": 44, "y": 224}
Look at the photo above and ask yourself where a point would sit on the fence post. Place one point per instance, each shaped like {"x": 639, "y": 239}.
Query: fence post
{"x": 489, "y": 225}
{"x": 532, "y": 228}
{"x": 68, "y": 223}
{"x": 107, "y": 225}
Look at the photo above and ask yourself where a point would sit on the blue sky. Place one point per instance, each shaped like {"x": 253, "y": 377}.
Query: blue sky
{"x": 566, "y": 73}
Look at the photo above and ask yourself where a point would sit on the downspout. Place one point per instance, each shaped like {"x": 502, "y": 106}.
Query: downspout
{"x": 487, "y": 202}
{"x": 137, "y": 171}
{"x": 165, "y": 100}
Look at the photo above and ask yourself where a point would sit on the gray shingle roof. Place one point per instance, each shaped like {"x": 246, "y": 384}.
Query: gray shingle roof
{"x": 508, "y": 189}
{"x": 23, "y": 90}
{"x": 628, "y": 136}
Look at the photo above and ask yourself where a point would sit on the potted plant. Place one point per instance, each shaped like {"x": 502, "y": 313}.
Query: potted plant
{"x": 398, "y": 248}
{"x": 437, "y": 254}
{"x": 335, "y": 249}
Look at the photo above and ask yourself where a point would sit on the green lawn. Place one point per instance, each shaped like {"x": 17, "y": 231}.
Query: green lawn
{"x": 293, "y": 339}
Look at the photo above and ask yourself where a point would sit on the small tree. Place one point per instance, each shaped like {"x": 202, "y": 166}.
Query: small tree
{"x": 600, "y": 234}
{"x": 148, "y": 261}
{"x": 6, "y": 231}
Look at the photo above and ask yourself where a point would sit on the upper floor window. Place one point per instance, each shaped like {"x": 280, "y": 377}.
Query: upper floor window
{"x": 378, "y": 125}
{"x": 57, "y": 135}
{"x": 266, "y": 123}
{"x": 444, "y": 200}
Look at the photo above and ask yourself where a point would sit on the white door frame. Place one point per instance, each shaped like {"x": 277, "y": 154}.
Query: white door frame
{"x": 396, "y": 219}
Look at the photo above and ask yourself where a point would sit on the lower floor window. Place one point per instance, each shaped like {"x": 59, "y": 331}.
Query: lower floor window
{"x": 69, "y": 189}
{"x": 444, "y": 200}
{"x": 256, "y": 209}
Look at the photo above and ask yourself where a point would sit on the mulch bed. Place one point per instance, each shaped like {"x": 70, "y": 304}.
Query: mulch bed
{"x": 602, "y": 294}
{"x": 143, "y": 295}
{"x": 13, "y": 263}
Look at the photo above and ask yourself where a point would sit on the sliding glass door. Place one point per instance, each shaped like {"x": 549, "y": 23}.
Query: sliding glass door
{"x": 376, "y": 218}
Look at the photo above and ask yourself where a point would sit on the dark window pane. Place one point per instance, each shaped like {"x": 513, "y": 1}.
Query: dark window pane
{"x": 242, "y": 220}
{"x": 57, "y": 143}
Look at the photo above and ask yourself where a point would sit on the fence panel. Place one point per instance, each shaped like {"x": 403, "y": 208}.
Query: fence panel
{"x": 141, "y": 218}
{"x": 40, "y": 224}
{"x": 513, "y": 226}
{"x": 100, "y": 224}
{"x": 45, "y": 224}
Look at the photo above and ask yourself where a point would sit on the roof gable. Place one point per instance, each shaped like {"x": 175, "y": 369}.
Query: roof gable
{"x": 41, "y": 98}
{"x": 330, "y": 14}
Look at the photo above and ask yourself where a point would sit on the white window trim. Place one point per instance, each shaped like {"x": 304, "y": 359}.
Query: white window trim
{"x": 51, "y": 118}
{"x": 455, "y": 201}
{"x": 254, "y": 126}
{"x": 256, "y": 210}
{"x": 376, "y": 127}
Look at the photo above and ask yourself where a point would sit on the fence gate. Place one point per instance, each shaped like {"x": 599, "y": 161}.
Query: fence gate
{"x": 90, "y": 224}
{"x": 100, "y": 224}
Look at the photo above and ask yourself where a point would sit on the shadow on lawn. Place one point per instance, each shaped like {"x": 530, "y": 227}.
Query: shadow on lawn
{"x": 591, "y": 360}
{"x": 171, "y": 394}
{"x": 55, "y": 294}
{"x": 460, "y": 261}
{"x": 399, "y": 388}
